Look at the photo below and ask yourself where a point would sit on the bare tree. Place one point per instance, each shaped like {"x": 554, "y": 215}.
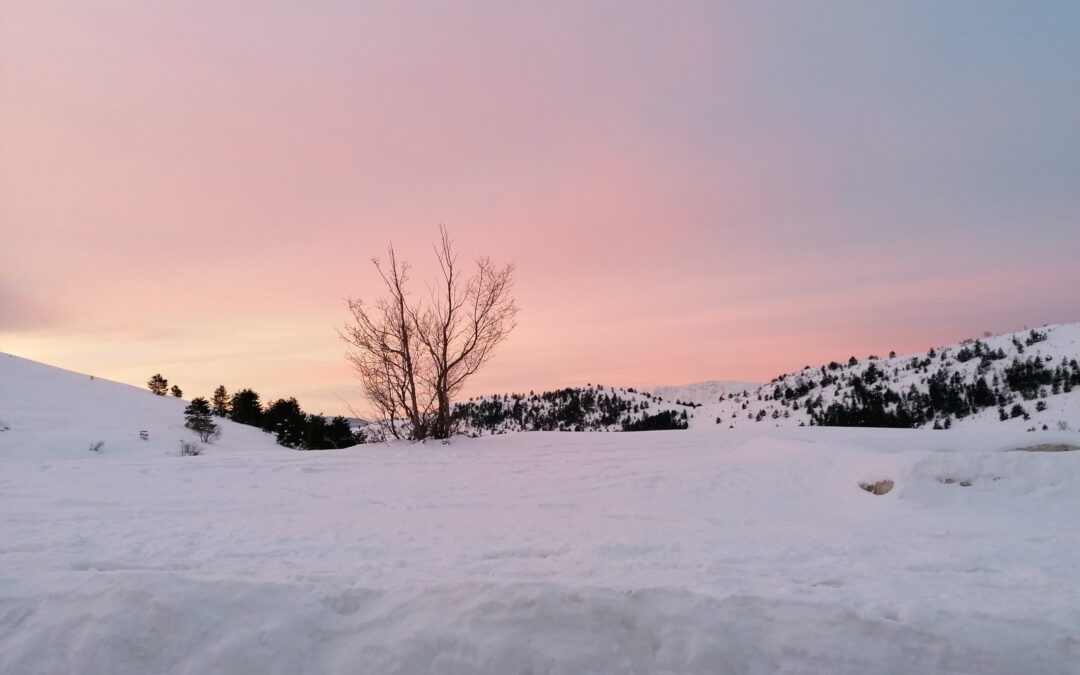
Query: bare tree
{"x": 414, "y": 356}
{"x": 384, "y": 344}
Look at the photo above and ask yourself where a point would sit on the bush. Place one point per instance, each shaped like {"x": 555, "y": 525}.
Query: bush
{"x": 97, "y": 446}
{"x": 190, "y": 449}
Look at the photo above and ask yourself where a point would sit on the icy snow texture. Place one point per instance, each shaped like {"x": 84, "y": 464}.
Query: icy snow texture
{"x": 705, "y": 551}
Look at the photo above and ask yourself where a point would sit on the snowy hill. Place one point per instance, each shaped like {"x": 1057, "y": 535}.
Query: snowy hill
{"x": 755, "y": 550}
{"x": 702, "y": 393}
{"x": 54, "y": 413}
{"x": 1028, "y": 380}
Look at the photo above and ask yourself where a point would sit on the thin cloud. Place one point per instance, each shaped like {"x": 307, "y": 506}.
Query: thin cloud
{"x": 21, "y": 312}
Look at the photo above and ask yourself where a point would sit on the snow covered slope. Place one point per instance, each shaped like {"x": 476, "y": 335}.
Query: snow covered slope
{"x": 702, "y": 393}
{"x": 54, "y": 413}
{"x": 752, "y": 550}
{"x": 1026, "y": 380}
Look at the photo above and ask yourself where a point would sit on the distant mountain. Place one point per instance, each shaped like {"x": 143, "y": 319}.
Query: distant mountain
{"x": 702, "y": 393}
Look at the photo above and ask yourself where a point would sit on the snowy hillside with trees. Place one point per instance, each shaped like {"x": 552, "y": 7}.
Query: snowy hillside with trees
{"x": 1027, "y": 380}
{"x": 62, "y": 413}
{"x": 754, "y": 550}
{"x": 588, "y": 408}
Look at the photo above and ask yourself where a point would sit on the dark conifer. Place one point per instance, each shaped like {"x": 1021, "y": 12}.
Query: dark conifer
{"x": 158, "y": 384}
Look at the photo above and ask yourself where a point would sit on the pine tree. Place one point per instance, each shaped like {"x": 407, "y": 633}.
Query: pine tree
{"x": 221, "y": 402}
{"x": 175, "y": 391}
{"x": 287, "y": 421}
{"x": 200, "y": 420}
{"x": 315, "y": 433}
{"x": 246, "y": 408}
{"x": 340, "y": 433}
{"x": 158, "y": 384}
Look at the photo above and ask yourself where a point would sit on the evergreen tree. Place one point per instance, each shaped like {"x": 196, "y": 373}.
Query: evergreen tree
{"x": 287, "y": 421}
{"x": 315, "y": 433}
{"x": 246, "y": 408}
{"x": 340, "y": 433}
{"x": 200, "y": 420}
{"x": 158, "y": 384}
{"x": 221, "y": 402}
{"x": 175, "y": 391}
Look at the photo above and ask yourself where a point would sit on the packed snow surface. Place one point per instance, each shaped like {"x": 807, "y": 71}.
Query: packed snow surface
{"x": 703, "y": 551}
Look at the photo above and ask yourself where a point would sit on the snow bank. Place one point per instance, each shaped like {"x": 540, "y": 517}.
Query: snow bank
{"x": 143, "y": 623}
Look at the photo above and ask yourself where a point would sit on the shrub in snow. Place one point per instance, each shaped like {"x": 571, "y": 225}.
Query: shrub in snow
{"x": 4, "y": 427}
{"x": 97, "y": 446}
{"x": 190, "y": 449}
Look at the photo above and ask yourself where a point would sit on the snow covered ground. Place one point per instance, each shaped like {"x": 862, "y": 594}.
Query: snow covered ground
{"x": 702, "y": 393}
{"x": 704, "y": 551}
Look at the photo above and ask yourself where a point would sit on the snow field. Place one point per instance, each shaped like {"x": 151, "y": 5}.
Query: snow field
{"x": 702, "y": 551}
{"x": 549, "y": 553}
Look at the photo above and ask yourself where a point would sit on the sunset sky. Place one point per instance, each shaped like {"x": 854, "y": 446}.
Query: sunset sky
{"x": 690, "y": 191}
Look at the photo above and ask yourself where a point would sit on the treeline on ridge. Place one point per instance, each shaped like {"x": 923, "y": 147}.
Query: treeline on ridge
{"x": 283, "y": 417}
{"x": 571, "y": 409}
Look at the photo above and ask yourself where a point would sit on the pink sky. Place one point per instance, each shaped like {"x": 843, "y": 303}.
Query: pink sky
{"x": 690, "y": 191}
